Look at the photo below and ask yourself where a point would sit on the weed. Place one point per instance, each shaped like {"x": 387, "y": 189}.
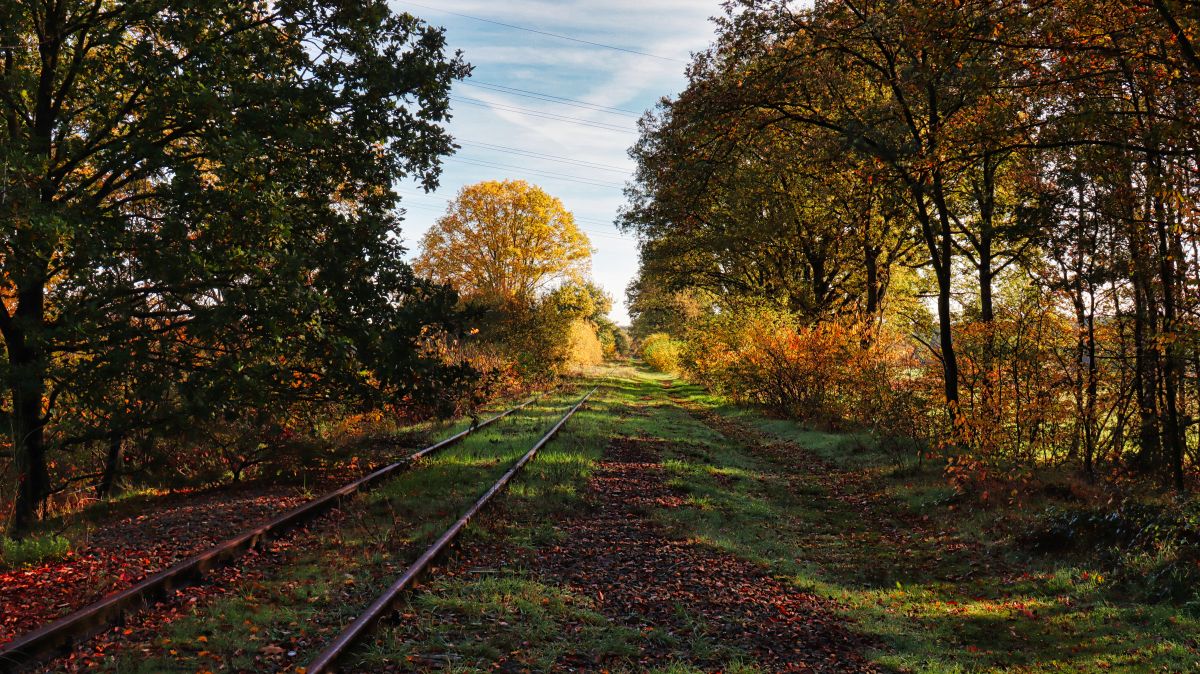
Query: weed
{"x": 33, "y": 550}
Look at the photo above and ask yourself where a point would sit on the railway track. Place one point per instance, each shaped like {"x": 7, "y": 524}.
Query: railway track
{"x": 328, "y": 658}
{"x": 61, "y": 635}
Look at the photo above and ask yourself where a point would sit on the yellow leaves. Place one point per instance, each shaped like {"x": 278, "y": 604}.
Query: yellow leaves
{"x": 506, "y": 239}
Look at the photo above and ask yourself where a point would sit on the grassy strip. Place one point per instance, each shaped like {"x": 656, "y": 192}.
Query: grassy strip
{"x": 32, "y": 550}
{"x": 942, "y": 589}
{"x": 467, "y": 623}
{"x": 281, "y": 619}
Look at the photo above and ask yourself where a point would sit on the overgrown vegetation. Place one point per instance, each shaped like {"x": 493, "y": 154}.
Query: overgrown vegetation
{"x": 961, "y": 588}
{"x": 275, "y": 618}
{"x": 32, "y": 550}
{"x": 197, "y": 298}
{"x": 965, "y": 227}
{"x": 964, "y": 587}
{"x": 661, "y": 352}
{"x": 199, "y": 229}
{"x": 520, "y": 264}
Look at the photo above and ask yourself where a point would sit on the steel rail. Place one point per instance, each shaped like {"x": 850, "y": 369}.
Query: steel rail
{"x": 60, "y": 635}
{"x": 325, "y": 661}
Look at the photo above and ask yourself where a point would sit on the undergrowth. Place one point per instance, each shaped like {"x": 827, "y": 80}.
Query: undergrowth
{"x": 32, "y": 550}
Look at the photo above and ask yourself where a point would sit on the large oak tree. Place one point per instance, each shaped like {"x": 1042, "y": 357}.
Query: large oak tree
{"x": 505, "y": 240}
{"x": 196, "y": 207}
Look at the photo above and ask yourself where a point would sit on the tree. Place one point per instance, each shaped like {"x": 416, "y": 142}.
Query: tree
{"x": 907, "y": 85}
{"x": 205, "y": 190}
{"x": 654, "y": 309}
{"x": 506, "y": 240}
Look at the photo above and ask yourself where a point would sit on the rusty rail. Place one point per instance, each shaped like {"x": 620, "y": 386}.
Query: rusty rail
{"x": 325, "y": 661}
{"x": 60, "y": 635}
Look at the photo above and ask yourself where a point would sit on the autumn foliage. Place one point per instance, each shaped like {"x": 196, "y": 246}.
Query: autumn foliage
{"x": 505, "y": 240}
{"x": 661, "y": 352}
{"x": 969, "y": 224}
{"x": 519, "y": 262}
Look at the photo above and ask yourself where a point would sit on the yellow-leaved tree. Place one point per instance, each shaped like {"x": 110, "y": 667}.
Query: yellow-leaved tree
{"x": 506, "y": 240}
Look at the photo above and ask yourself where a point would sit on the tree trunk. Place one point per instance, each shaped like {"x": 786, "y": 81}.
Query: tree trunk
{"x": 1145, "y": 370}
{"x": 27, "y": 387}
{"x": 112, "y": 466}
{"x": 986, "y": 197}
{"x": 943, "y": 248}
{"x": 29, "y": 272}
{"x": 1093, "y": 379}
{"x": 1172, "y": 365}
{"x": 871, "y": 264}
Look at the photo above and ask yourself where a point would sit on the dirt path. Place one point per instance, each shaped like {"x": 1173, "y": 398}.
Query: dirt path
{"x": 640, "y": 578}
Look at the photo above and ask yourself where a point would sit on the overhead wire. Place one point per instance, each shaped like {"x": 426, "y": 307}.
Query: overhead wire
{"x": 551, "y": 98}
{"x": 507, "y": 107}
{"x": 542, "y": 155}
{"x": 432, "y": 208}
{"x": 546, "y": 174}
{"x": 548, "y": 34}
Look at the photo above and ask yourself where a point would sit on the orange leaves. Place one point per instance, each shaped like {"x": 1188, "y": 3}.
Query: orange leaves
{"x": 1016, "y": 375}
{"x": 833, "y": 372}
{"x": 507, "y": 240}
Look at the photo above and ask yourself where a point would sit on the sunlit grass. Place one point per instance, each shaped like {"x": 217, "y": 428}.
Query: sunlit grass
{"x": 1055, "y": 617}
{"x": 930, "y": 608}
{"x": 324, "y": 586}
{"x": 32, "y": 550}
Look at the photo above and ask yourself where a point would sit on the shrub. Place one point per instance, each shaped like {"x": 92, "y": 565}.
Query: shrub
{"x": 1017, "y": 384}
{"x": 612, "y": 338}
{"x": 832, "y": 373}
{"x": 32, "y": 550}
{"x": 583, "y": 347}
{"x": 1151, "y": 549}
{"x": 661, "y": 352}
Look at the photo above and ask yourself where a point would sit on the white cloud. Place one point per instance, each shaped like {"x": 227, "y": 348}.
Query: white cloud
{"x": 604, "y": 77}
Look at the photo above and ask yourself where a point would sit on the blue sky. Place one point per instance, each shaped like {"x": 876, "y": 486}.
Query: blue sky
{"x": 510, "y": 124}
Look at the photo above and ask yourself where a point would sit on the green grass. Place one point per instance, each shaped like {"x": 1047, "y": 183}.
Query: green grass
{"x": 477, "y": 620}
{"x": 377, "y": 443}
{"x": 956, "y": 596}
{"x": 467, "y": 623}
{"x": 296, "y": 608}
{"x": 32, "y": 550}
{"x": 939, "y": 587}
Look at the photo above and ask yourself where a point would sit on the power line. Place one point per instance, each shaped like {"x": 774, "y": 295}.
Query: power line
{"x": 541, "y": 155}
{"x": 550, "y": 98}
{"x": 505, "y": 107}
{"x": 542, "y": 32}
{"x": 548, "y": 174}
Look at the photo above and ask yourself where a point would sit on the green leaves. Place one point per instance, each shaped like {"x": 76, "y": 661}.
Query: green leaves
{"x": 198, "y": 203}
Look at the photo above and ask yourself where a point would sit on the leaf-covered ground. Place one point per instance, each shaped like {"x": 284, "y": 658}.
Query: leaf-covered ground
{"x": 115, "y": 544}
{"x": 115, "y": 555}
{"x": 664, "y": 531}
{"x": 626, "y": 595}
{"x": 277, "y": 607}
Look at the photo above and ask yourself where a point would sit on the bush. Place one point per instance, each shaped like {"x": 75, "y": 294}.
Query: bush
{"x": 836, "y": 373}
{"x": 32, "y": 550}
{"x": 612, "y": 338}
{"x": 1150, "y": 549}
{"x": 1021, "y": 392}
{"x": 583, "y": 347}
{"x": 661, "y": 353}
